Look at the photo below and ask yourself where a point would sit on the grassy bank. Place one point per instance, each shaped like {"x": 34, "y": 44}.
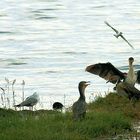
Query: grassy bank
{"x": 106, "y": 117}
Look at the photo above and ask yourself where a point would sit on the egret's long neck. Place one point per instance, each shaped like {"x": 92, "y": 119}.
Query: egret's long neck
{"x": 82, "y": 92}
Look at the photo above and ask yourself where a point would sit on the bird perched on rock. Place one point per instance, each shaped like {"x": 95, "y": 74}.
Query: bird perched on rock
{"x": 119, "y": 34}
{"x": 58, "y": 106}
{"x": 79, "y": 107}
{"x": 30, "y": 101}
{"x": 114, "y": 75}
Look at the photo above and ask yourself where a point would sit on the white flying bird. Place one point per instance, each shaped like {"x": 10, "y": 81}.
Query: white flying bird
{"x": 30, "y": 101}
{"x": 119, "y": 34}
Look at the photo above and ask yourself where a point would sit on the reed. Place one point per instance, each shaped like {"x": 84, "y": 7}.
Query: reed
{"x": 13, "y": 91}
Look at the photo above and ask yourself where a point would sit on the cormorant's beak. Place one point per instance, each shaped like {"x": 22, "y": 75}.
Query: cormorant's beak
{"x": 88, "y": 83}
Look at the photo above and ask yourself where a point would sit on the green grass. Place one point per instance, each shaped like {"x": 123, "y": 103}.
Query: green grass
{"x": 105, "y": 117}
{"x": 114, "y": 103}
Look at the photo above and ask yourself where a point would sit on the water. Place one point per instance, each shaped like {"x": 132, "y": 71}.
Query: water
{"x": 48, "y": 43}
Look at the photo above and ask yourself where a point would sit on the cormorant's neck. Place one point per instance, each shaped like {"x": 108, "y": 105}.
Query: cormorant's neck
{"x": 131, "y": 69}
{"x": 130, "y": 64}
{"x": 82, "y": 92}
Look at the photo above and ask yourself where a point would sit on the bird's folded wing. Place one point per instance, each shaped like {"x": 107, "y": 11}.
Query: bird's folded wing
{"x": 29, "y": 101}
{"x": 79, "y": 107}
{"x": 106, "y": 71}
{"x": 130, "y": 90}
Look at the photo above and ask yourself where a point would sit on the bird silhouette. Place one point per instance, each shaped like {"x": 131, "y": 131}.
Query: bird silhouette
{"x": 119, "y": 34}
{"x": 57, "y": 106}
{"x": 30, "y": 101}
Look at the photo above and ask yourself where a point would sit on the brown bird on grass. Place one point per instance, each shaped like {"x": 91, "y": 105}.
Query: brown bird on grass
{"x": 79, "y": 107}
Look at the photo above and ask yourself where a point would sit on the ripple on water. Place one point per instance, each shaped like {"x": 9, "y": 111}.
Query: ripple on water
{"x": 10, "y": 62}
{"x": 17, "y": 63}
{"x": 45, "y": 17}
{"x": 5, "y": 32}
{"x": 137, "y": 67}
{"x": 72, "y": 52}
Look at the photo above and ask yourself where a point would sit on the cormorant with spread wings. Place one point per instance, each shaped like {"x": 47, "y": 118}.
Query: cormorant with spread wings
{"x": 125, "y": 82}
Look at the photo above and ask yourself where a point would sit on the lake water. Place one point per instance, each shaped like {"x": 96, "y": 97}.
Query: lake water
{"x": 49, "y": 43}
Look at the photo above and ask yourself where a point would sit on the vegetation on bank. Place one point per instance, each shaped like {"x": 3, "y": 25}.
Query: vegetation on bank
{"x": 106, "y": 117}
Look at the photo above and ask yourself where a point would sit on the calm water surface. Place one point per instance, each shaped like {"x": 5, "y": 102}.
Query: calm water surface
{"x": 48, "y": 43}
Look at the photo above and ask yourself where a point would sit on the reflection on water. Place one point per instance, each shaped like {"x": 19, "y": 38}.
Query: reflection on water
{"x": 57, "y": 39}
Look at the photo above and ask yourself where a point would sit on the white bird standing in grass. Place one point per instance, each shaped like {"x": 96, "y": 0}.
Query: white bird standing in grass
{"x": 30, "y": 101}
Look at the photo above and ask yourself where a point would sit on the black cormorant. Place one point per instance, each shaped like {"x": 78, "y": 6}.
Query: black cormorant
{"x": 57, "y": 106}
{"x": 79, "y": 107}
{"x": 113, "y": 75}
{"x": 124, "y": 81}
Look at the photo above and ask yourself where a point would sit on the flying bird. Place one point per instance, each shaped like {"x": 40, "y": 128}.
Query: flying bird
{"x": 79, "y": 107}
{"x": 30, "y": 101}
{"x": 111, "y": 74}
{"x": 119, "y": 34}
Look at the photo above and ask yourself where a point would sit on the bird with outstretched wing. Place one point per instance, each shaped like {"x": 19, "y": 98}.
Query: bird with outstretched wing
{"x": 109, "y": 72}
{"x": 119, "y": 34}
{"x": 106, "y": 71}
{"x": 125, "y": 82}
